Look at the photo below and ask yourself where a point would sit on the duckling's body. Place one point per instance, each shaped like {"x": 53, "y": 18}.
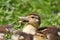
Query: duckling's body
{"x": 29, "y": 29}
{"x": 18, "y": 35}
{"x": 32, "y": 23}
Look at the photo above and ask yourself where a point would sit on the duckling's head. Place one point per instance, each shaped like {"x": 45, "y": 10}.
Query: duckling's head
{"x": 32, "y": 19}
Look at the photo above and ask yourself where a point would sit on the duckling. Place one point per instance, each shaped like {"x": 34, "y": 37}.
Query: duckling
{"x": 4, "y": 29}
{"x": 40, "y": 36}
{"x": 32, "y": 23}
{"x": 51, "y": 32}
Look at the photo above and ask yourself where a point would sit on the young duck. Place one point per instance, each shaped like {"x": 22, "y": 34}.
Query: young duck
{"x": 4, "y": 29}
{"x": 32, "y": 23}
{"x": 51, "y": 32}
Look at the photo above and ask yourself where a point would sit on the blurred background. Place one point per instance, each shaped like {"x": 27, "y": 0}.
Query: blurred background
{"x": 49, "y": 10}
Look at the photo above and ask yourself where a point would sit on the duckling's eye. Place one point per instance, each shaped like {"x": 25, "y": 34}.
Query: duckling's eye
{"x": 32, "y": 17}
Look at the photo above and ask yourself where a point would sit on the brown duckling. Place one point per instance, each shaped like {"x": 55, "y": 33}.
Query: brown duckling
{"x": 4, "y": 29}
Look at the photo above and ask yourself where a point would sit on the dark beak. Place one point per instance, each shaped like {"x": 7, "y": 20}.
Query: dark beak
{"x": 23, "y": 19}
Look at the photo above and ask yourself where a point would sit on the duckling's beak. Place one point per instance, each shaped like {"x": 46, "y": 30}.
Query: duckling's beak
{"x": 23, "y": 19}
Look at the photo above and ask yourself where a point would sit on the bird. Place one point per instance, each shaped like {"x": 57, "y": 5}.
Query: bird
{"x": 51, "y": 32}
{"x": 4, "y": 29}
